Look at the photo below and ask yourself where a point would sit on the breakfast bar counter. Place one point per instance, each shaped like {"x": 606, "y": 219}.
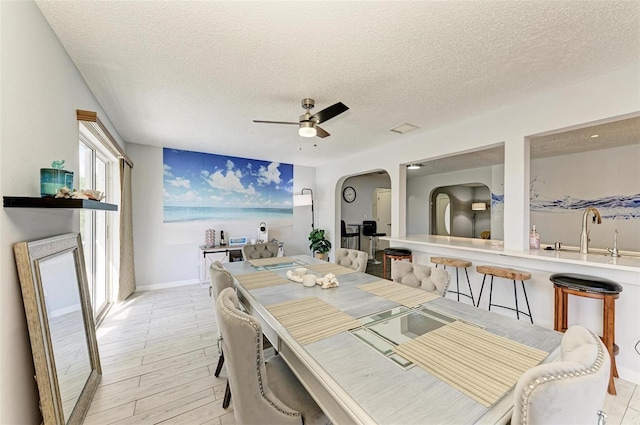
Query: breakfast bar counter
{"x": 541, "y": 264}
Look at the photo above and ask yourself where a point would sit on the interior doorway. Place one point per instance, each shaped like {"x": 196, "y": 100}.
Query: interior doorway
{"x": 382, "y": 213}
{"x": 359, "y": 202}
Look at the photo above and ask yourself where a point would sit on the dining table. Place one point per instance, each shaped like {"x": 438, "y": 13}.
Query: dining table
{"x": 372, "y": 351}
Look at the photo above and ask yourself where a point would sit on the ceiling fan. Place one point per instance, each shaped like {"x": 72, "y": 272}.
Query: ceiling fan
{"x": 308, "y": 124}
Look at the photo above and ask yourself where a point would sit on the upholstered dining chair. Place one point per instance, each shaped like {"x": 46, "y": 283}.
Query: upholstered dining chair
{"x": 570, "y": 391}
{"x": 430, "y": 279}
{"x": 263, "y": 392}
{"x": 220, "y": 280}
{"x": 259, "y": 250}
{"x": 352, "y": 258}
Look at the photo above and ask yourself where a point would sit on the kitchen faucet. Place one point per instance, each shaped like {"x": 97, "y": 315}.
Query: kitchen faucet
{"x": 584, "y": 236}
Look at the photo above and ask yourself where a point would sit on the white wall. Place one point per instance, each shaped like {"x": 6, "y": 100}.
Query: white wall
{"x": 167, "y": 254}
{"x": 41, "y": 90}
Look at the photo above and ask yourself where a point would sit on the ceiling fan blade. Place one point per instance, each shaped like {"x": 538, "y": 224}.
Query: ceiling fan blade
{"x": 330, "y": 112}
{"x": 276, "y": 122}
{"x": 321, "y": 132}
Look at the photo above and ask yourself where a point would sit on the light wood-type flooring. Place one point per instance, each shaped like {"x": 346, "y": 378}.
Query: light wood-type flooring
{"x": 158, "y": 351}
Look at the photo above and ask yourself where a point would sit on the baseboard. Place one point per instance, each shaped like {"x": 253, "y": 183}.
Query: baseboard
{"x": 167, "y": 285}
{"x": 629, "y": 375}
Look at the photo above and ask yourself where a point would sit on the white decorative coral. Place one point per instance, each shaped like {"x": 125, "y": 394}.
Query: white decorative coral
{"x": 66, "y": 193}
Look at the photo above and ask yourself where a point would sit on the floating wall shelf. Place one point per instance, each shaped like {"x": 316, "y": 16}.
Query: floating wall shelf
{"x": 51, "y": 202}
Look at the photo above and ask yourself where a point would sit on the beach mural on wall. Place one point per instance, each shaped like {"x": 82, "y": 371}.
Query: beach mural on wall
{"x": 207, "y": 187}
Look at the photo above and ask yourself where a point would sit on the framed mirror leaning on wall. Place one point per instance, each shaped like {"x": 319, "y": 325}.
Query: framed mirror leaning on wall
{"x": 61, "y": 327}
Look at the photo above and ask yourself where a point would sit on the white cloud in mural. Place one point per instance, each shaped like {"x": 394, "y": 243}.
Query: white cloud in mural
{"x": 189, "y": 196}
{"x": 180, "y": 182}
{"x": 167, "y": 170}
{"x": 270, "y": 174}
{"x": 229, "y": 182}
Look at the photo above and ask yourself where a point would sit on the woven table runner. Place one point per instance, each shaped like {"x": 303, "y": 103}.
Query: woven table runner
{"x": 397, "y": 292}
{"x": 478, "y": 363}
{"x": 260, "y": 280}
{"x": 330, "y": 268}
{"x": 271, "y": 261}
{"x": 311, "y": 319}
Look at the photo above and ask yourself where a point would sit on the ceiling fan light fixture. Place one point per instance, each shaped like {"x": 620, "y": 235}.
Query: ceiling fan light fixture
{"x": 307, "y": 129}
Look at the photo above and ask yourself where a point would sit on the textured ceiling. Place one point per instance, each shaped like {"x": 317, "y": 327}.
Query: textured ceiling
{"x": 193, "y": 75}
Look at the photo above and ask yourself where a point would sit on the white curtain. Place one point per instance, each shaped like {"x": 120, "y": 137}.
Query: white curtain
{"x": 127, "y": 282}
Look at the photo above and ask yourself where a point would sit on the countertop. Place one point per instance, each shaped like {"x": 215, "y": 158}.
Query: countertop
{"x": 599, "y": 258}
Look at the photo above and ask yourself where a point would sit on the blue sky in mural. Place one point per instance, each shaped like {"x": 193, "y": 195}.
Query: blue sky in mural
{"x": 207, "y": 186}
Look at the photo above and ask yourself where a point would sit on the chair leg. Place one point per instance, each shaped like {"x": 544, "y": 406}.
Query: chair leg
{"x": 227, "y": 396}
{"x": 527, "y": 301}
{"x": 490, "y": 292}
{"x": 458, "y": 284}
{"x": 608, "y": 337}
{"x": 219, "y": 367}
{"x": 515, "y": 295}
{"x": 470, "y": 291}
{"x": 481, "y": 289}
{"x": 373, "y": 250}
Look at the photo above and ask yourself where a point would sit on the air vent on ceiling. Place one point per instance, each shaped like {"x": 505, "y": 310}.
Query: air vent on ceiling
{"x": 404, "y": 128}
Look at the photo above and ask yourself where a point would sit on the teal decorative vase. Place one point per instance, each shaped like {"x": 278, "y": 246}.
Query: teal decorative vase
{"x": 54, "y": 179}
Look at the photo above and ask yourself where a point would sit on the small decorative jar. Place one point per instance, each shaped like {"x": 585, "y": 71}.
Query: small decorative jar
{"x": 54, "y": 179}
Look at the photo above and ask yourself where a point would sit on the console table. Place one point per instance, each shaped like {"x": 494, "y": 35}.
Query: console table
{"x": 222, "y": 253}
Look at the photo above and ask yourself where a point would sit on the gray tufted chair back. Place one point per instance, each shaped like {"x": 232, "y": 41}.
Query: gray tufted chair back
{"x": 352, "y": 258}
{"x": 260, "y": 250}
{"x": 571, "y": 391}
{"x": 253, "y": 400}
{"x": 430, "y": 279}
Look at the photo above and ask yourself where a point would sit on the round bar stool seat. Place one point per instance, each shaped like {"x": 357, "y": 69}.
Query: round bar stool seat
{"x": 458, "y": 264}
{"x": 566, "y": 284}
{"x": 510, "y": 274}
{"x": 394, "y": 254}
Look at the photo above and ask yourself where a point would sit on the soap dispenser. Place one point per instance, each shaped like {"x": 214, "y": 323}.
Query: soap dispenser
{"x": 534, "y": 239}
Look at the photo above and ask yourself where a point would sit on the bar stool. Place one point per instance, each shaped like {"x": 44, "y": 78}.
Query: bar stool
{"x": 346, "y": 235}
{"x": 394, "y": 254}
{"x": 566, "y": 284}
{"x": 458, "y": 264}
{"x": 510, "y": 274}
{"x": 370, "y": 228}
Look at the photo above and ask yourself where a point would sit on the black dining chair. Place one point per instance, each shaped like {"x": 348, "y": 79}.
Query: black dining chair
{"x": 370, "y": 228}
{"x": 346, "y": 235}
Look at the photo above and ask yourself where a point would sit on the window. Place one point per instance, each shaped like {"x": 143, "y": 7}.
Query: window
{"x": 96, "y": 168}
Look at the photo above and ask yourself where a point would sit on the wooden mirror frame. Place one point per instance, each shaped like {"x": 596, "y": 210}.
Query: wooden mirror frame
{"x": 28, "y": 255}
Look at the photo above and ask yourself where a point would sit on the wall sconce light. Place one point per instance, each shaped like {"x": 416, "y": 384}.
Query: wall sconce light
{"x": 303, "y": 200}
{"x": 413, "y": 166}
{"x": 478, "y": 206}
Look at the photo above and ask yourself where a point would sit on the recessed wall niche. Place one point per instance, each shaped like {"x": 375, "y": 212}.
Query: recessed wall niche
{"x": 593, "y": 166}
{"x": 476, "y": 176}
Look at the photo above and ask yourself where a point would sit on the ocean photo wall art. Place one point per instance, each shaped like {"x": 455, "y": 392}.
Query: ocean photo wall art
{"x": 207, "y": 187}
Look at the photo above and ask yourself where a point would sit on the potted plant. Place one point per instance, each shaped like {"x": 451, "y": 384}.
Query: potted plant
{"x": 319, "y": 245}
